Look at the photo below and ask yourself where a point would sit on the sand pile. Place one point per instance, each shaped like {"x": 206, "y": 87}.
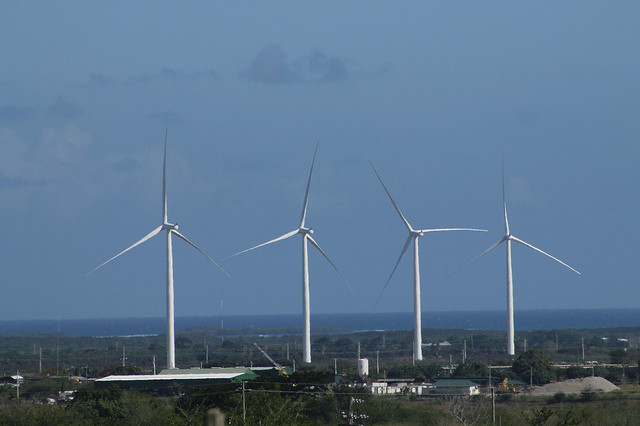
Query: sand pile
{"x": 586, "y": 384}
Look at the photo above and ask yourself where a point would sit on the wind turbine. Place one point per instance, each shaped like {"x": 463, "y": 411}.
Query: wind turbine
{"x": 171, "y": 229}
{"x": 414, "y": 234}
{"x": 508, "y": 238}
{"x": 306, "y": 237}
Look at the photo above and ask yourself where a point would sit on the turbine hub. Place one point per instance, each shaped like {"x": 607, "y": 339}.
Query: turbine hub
{"x": 305, "y": 231}
{"x": 170, "y": 226}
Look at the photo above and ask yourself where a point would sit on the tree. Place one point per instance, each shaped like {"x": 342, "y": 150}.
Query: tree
{"x": 120, "y": 370}
{"x": 471, "y": 369}
{"x": 467, "y": 410}
{"x": 576, "y": 372}
{"x": 534, "y": 364}
{"x": 618, "y": 356}
{"x": 406, "y": 371}
{"x": 344, "y": 345}
{"x": 432, "y": 371}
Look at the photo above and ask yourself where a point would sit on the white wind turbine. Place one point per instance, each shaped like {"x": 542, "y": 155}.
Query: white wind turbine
{"x": 306, "y": 236}
{"x": 414, "y": 234}
{"x": 508, "y": 238}
{"x": 171, "y": 229}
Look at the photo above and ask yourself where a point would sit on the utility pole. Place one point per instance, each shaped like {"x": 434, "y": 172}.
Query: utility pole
{"x": 525, "y": 345}
{"x": 531, "y": 376}
{"x": 244, "y": 406}
{"x": 464, "y": 351}
{"x": 583, "y": 349}
{"x": 154, "y": 365}
{"x": 377, "y": 362}
{"x": 493, "y": 406}
{"x": 335, "y": 366}
{"x": 358, "y": 350}
{"x": 40, "y": 370}
{"x": 287, "y": 352}
{"x": 123, "y": 355}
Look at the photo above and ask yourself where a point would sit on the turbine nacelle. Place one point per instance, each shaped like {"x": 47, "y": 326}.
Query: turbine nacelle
{"x": 305, "y": 231}
{"x": 170, "y": 226}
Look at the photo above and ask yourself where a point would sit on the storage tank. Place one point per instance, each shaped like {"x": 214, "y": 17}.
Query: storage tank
{"x": 363, "y": 367}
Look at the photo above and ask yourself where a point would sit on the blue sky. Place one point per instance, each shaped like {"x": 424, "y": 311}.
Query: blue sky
{"x": 433, "y": 93}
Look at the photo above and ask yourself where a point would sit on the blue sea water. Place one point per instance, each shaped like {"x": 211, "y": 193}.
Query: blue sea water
{"x": 471, "y": 320}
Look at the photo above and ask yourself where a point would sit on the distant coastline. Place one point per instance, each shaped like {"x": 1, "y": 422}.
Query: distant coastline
{"x": 526, "y": 320}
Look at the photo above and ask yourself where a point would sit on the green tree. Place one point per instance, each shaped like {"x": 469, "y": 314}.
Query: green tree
{"x": 576, "y": 372}
{"x": 471, "y": 369}
{"x": 406, "y": 371}
{"x": 432, "y": 371}
{"x": 618, "y": 356}
{"x": 534, "y": 364}
{"x": 120, "y": 370}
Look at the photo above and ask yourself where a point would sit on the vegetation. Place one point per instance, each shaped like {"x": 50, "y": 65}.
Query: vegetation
{"x": 535, "y": 365}
{"x": 307, "y": 397}
{"x": 280, "y": 402}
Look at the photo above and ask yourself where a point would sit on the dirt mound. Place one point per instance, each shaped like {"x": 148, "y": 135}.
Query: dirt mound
{"x": 586, "y": 384}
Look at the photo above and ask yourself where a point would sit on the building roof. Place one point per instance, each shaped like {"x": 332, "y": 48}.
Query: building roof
{"x": 182, "y": 377}
{"x": 197, "y": 371}
{"x": 445, "y": 383}
{"x": 165, "y": 377}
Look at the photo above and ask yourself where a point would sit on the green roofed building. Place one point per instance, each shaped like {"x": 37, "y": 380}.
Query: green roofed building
{"x": 455, "y": 387}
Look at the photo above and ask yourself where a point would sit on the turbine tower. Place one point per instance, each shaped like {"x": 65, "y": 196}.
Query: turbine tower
{"x": 306, "y": 237}
{"x": 414, "y": 234}
{"x": 508, "y": 238}
{"x": 171, "y": 228}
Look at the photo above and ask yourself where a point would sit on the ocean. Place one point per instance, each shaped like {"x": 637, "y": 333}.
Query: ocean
{"x": 527, "y": 320}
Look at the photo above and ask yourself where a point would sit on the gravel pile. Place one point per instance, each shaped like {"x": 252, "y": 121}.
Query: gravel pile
{"x": 586, "y": 384}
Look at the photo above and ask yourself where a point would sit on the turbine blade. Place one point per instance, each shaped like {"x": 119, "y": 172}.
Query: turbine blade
{"x": 404, "y": 250}
{"x": 200, "y": 250}
{"x": 164, "y": 178}
{"x": 306, "y": 193}
{"x": 329, "y": 260}
{"x": 504, "y": 202}
{"x": 406, "y": 222}
{"x": 145, "y": 238}
{"x": 282, "y": 237}
{"x": 518, "y": 240}
{"x": 451, "y": 229}
{"x": 475, "y": 258}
